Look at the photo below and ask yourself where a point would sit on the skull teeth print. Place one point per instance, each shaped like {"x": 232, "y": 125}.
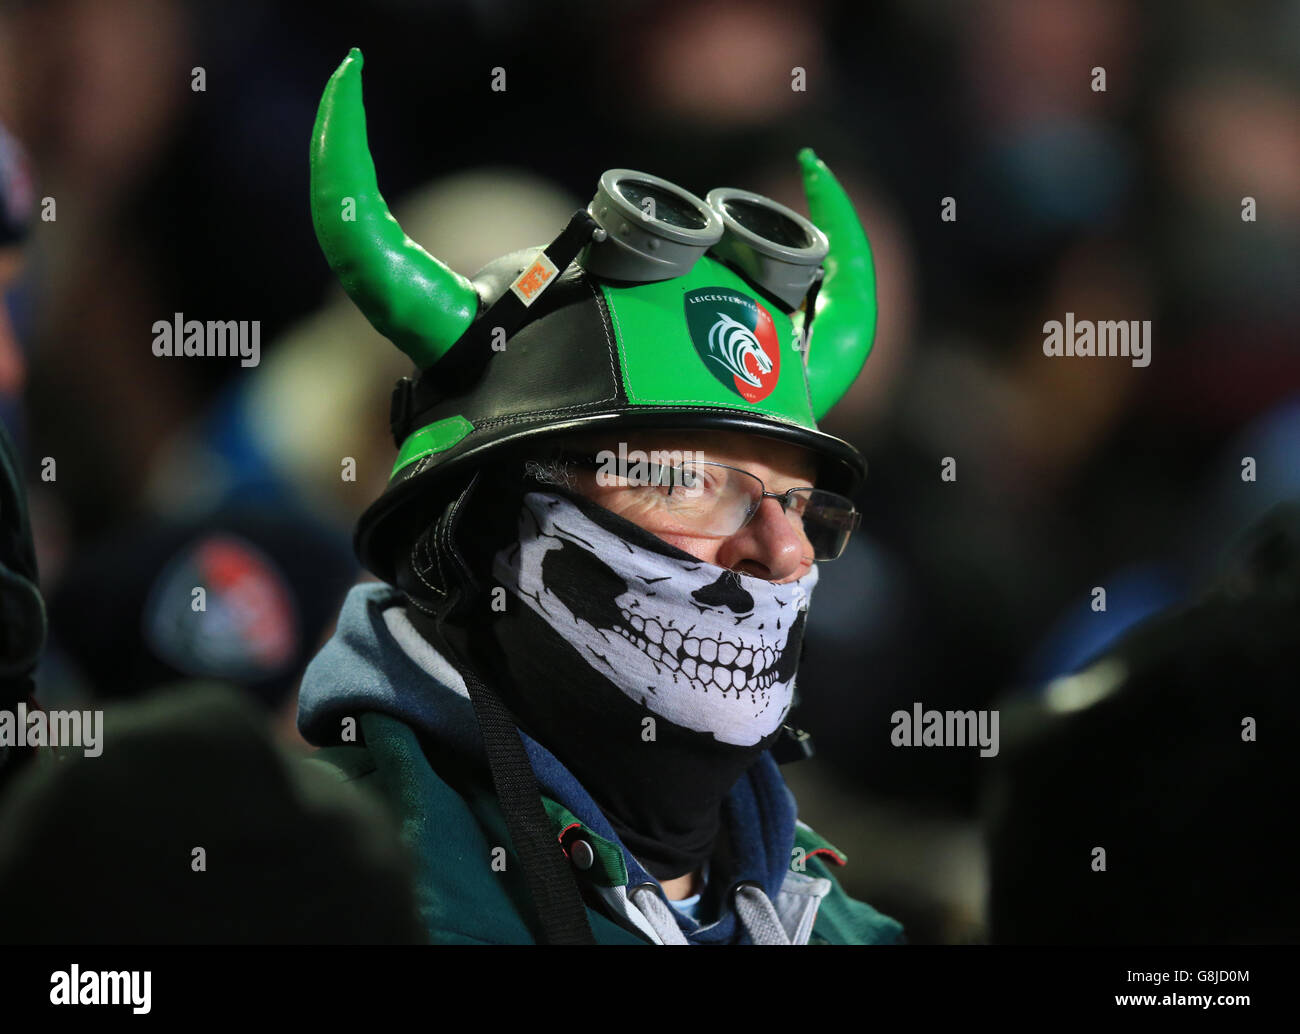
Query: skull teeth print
{"x": 710, "y": 664}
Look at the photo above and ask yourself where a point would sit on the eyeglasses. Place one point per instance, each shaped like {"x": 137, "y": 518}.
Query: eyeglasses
{"x": 715, "y": 500}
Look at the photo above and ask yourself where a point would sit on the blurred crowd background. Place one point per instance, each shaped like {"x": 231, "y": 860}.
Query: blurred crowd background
{"x": 1071, "y": 473}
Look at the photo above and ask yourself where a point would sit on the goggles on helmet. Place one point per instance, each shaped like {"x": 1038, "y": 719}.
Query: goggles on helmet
{"x": 651, "y": 229}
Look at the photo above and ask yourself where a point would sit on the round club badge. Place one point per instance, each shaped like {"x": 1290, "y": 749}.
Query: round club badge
{"x": 246, "y": 627}
{"x": 736, "y": 339}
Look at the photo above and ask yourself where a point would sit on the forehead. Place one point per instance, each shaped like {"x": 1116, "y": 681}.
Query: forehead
{"x": 761, "y": 456}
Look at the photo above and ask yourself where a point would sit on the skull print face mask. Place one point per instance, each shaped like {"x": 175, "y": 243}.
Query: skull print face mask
{"x": 706, "y": 649}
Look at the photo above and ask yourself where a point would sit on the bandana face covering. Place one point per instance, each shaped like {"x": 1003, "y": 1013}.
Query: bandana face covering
{"x": 707, "y": 649}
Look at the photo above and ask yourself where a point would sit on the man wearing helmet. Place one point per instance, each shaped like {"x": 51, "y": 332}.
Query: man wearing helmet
{"x": 573, "y": 682}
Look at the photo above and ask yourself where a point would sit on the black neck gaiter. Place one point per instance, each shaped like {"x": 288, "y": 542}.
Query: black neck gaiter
{"x": 571, "y": 652}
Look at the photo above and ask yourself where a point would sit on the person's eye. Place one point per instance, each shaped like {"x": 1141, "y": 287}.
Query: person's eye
{"x": 702, "y": 481}
{"x": 686, "y": 483}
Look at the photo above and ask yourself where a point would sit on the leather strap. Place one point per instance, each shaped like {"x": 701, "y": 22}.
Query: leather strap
{"x": 463, "y": 363}
{"x": 547, "y": 872}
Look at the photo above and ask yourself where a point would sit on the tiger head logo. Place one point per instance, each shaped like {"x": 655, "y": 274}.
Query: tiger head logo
{"x": 736, "y": 338}
{"x": 732, "y": 344}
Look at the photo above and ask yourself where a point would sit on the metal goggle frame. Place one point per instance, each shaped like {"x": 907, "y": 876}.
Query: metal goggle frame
{"x": 651, "y": 229}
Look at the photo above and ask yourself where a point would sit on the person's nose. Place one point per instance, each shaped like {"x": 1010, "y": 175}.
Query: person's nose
{"x": 769, "y": 546}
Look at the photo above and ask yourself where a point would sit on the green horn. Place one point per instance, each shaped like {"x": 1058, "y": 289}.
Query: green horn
{"x": 844, "y": 323}
{"x": 410, "y": 297}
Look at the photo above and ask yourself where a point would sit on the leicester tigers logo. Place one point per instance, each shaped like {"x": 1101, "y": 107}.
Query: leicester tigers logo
{"x": 732, "y": 344}
{"x": 735, "y": 336}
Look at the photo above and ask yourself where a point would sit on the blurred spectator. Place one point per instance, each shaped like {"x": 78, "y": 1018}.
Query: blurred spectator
{"x": 22, "y": 611}
{"x": 245, "y": 595}
{"x": 1172, "y": 755}
{"x": 17, "y": 205}
{"x": 193, "y": 828}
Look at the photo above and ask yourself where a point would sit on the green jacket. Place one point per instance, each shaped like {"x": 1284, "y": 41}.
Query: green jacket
{"x": 418, "y": 748}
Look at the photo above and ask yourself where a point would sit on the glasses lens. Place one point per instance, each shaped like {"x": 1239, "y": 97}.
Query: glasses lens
{"x": 825, "y": 519}
{"x": 828, "y": 520}
{"x": 707, "y": 498}
{"x": 664, "y": 205}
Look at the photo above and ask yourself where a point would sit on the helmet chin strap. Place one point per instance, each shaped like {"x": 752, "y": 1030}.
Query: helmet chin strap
{"x": 435, "y": 575}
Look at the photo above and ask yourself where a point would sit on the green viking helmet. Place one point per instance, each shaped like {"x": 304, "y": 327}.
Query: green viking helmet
{"x": 591, "y": 352}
